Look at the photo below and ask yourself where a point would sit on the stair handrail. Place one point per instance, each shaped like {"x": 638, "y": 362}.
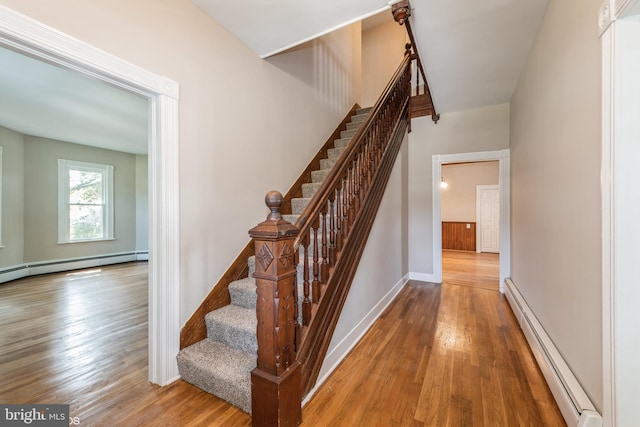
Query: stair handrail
{"x": 366, "y": 152}
{"x": 401, "y": 12}
{"x": 348, "y": 199}
{"x": 337, "y": 170}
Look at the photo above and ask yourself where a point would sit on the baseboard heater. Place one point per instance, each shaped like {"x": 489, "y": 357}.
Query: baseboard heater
{"x": 575, "y": 405}
{"x": 31, "y": 269}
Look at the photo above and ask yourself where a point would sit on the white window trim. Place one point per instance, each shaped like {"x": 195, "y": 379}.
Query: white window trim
{"x": 64, "y": 166}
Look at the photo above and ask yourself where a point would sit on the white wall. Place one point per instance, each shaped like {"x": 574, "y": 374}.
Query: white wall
{"x": 41, "y": 200}
{"x": 246, "y": 125}
{"x": 483, "y": 129}
{"x": 555, "y": 155}
{"x": 382, "y": 52}
{"x": 459, "y": 198}
{"x": 381, "y": 269}
{"x": 12, "y": 144}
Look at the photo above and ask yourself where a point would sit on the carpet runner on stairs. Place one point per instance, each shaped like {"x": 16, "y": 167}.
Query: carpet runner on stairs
{"x": 222, "y": 363}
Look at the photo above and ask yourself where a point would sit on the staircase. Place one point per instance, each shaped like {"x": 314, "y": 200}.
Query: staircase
{"x": 222, "y": 363}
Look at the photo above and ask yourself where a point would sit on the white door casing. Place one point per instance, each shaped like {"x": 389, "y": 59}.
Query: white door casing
{"x": 30, "y": 37}
{"x": 619, "y": 28}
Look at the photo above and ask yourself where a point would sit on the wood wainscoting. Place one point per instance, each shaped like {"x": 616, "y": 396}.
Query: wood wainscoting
{"x": 460, "y": 236}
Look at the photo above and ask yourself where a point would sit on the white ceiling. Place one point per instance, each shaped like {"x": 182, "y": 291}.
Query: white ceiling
{"x": 473, "y": 50}
{"x": 272, "y": 26}
{"x": 43, "y": 100}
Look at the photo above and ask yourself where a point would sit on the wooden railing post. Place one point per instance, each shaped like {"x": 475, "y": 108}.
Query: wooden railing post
{"x": 276, "y": 388}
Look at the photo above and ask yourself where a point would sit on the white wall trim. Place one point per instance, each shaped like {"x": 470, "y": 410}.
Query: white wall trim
{"x": 35, "y": 39}
{"x": 344, "y": 347}
{"x": 620, "y": 43}
{"x": 423, "y": 277}
{"x": 504, "y": 159}
{"x": 574, "y": 404}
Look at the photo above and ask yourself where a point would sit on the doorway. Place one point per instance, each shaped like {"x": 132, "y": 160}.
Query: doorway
{"x": 31, "y": 38}
{"x": 503, "y": 158}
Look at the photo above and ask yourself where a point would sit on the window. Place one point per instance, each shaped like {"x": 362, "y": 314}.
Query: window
{"x": 85, "y": 201}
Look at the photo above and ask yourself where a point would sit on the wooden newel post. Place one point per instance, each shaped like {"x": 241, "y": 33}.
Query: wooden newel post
{"x": 276, "y": 388}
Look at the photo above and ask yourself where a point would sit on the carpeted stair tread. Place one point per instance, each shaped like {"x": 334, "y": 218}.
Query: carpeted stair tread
{"x": 220, "y": 370}
{"x": 334, "y": 153}
{"x": 298, "y": 205}
{"x": 326, "y": 164}
{"x": 319, "y": 176}
{"x": 353, "y": 125}
{"x": 341, "y": 143}
{"x": 243, "y": 291}
{"x": 363, "y": 111}
{"x": 234, "y": 326}
{"x": 309, "y": 189}
{"x": 348, "y": 133}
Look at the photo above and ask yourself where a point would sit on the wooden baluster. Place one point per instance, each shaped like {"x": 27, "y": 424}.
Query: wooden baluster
{"x": 306, "y": 287}
{"x": 356, "y": 184}
{"x": 324, "y": 267}
{"x": 276, "y": 389}
{"x": 346, "y": 190}
{"x": 315, "y": 285}
{"x": 332, "y": 227}
{"x": 350, "y": 216}
{"x": 296, "y": 298}
{"x": 339, "y": 216}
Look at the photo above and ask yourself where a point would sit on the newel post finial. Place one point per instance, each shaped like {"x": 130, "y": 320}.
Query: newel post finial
{"x": 276, "y": 388}
{"x": 401, "y": 11}
{"x": 273, "y": 200}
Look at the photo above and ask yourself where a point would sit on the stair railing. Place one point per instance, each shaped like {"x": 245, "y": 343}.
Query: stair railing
{"x": 401, "y": 12}
{"x": 327, "y": 240}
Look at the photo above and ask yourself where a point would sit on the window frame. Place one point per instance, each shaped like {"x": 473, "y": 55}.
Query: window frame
{"x": 64, "y": 166}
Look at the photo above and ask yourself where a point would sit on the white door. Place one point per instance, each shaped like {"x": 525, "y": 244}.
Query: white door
{"x": 488, "y": 218}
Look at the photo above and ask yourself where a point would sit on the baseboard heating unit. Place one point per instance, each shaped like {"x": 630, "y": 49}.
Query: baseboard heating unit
{"x": 575, "y": 405}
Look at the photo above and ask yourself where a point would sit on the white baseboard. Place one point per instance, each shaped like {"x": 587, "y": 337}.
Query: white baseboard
{"x": 142, "y": 255}
{"x": 574, "y": 404}
{"x": 55, "y": 266}
{"x": 422, "y": 277}
{"x": 340, "y": 351}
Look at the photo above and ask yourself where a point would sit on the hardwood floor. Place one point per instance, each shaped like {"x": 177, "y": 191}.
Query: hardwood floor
{"x": 80, "y": 338}
{"x": 479, "y": 270}
{"x": 440, "y": 355}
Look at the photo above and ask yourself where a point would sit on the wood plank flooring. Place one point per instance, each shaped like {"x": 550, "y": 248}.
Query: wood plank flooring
{"x": 479, "y": 270}
{"x": 441, "y": 355}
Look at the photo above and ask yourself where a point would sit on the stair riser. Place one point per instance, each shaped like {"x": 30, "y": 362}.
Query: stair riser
{"x": 319, "y": 176}
{"x": 298, "y": 205}
{"x": 308, "y": 190}
{"x": 334, "y": 153}
{"x": 242, "y": 340}
{"x": 347, "y": 133}
{"x": 341, "y": 143}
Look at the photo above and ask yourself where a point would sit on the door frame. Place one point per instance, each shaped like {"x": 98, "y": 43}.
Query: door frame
{"x": 479, "y": 189}
{"x": 32, "y": 38}
{"x": 504, "y": 159}
{"x": 619, "y": 26}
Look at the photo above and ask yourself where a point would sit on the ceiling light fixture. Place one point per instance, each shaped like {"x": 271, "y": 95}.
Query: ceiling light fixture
{"x": 443, "y": 183}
